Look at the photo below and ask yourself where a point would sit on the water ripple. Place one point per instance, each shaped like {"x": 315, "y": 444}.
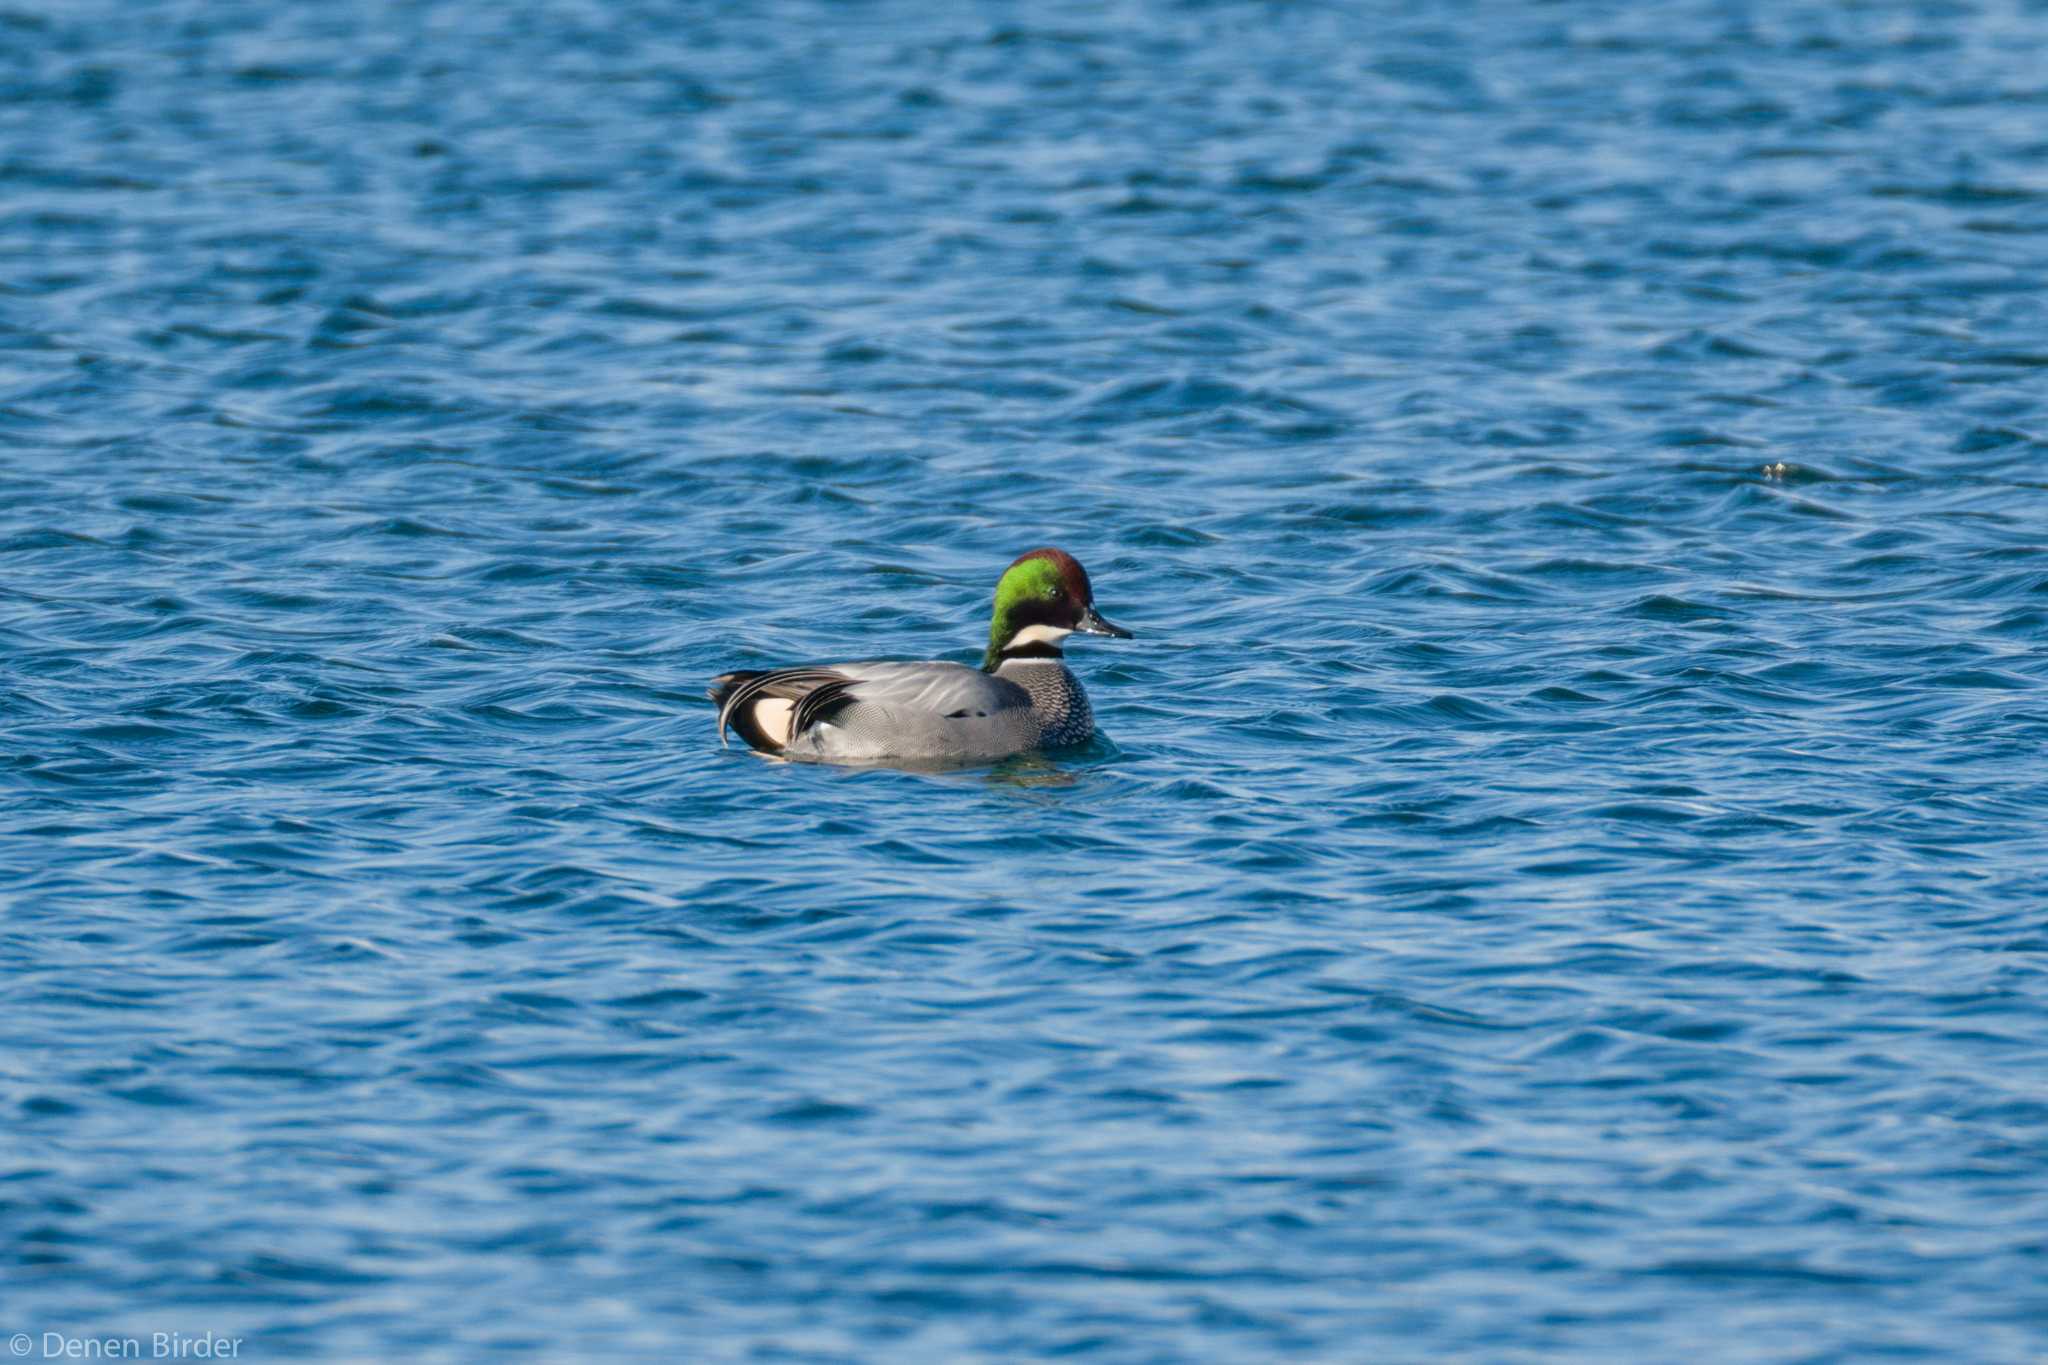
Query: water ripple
{"x": 1562, "y": 873}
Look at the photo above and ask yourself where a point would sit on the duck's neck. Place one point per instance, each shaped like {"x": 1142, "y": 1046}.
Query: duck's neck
{"x": 1032, "y": 642}
{"x": 1037, "y": 654}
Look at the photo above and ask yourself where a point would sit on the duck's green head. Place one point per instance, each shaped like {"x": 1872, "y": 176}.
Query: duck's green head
{"x": 1042, "y": 599}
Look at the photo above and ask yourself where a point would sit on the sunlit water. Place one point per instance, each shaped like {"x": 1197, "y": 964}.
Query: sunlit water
{"x": 1564, "y": 873}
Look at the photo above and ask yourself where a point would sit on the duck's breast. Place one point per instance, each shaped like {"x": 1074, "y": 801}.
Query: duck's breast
{"x": 1057, "y": 700}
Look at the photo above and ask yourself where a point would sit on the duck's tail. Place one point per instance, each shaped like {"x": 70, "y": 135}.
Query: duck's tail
{"x": 724, "y": 688}
{"x": 767, "y": 708}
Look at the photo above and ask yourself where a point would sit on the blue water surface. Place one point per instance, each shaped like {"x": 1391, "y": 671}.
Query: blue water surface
{"x": 1565, "y": 874}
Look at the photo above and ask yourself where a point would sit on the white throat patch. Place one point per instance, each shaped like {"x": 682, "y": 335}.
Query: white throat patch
{"x": 1038, "y": 635}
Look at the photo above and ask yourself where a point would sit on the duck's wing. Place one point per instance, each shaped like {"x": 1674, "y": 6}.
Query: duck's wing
{"x": 940, "y": 690}
{"x": 772, "y": 710}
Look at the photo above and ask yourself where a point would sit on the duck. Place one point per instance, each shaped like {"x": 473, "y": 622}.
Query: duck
{"x": 1023, "y": 698}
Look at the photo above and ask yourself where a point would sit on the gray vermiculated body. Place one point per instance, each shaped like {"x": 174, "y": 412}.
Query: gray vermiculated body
{"x": 1566, "y": 888}
{"x": 949, "y": 712}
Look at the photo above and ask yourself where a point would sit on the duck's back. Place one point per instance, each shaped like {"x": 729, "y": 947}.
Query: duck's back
{"x": 922, "y": 711}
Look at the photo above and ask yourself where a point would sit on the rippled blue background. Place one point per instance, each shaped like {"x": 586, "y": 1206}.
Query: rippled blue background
{"x": 1566, "y": 874}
